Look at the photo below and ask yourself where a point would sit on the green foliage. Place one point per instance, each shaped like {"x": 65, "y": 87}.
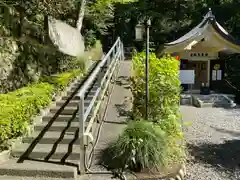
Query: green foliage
{"x": 90, "y": 38}
{"x": 170, "y": 19}
{"x": 19, "y": 107}
{"x": 164, "y": 117}
{"x": 100, "y": 14}
{"x": 164, "y": 87}
{"x": 96, "y": 52}
{"x": 142, "y": 145}
{"x": 60, "y": 81}
{"x": 26, "y": 53}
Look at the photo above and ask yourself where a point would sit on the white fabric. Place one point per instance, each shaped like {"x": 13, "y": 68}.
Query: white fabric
{"x": 66, "y": 38}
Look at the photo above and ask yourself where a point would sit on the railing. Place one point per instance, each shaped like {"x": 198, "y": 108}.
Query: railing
{"x": 98, "y": 81}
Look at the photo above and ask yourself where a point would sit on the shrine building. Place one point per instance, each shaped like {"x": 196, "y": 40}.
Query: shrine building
{"x": 199, "y": 50}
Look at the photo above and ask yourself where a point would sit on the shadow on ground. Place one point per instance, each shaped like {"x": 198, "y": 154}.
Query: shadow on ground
{"x": 122, "y": 110}
{"x": 124, "y": 81}
{"x": 229, "y": 132}
{"x": 224, "y": 156}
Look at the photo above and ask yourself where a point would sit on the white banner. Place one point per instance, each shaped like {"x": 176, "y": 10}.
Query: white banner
{"x": 66, "y": 38}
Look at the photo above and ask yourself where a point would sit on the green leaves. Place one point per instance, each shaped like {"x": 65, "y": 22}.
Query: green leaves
{"x": 164, "y": 85}
{"x": 155, "y": 143}
{"x": 164, "y": 96}
{"x": 142, "y": 145}
{"x": 18, "y": 108}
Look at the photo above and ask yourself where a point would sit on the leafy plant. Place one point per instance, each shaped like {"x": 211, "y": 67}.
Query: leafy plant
{"x": 164, "y": 95}
{"x": 164, "y": 86}
{"x": 141, "y": 145}
{"x": 18, "y": 107}
{"x": 90, "y": 38}
{"x": 60, "y": 81}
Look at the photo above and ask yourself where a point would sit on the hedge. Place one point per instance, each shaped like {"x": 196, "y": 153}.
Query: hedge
{"x": 164, "y": 97}
{"x": 19, "y": 107}
{"x": 164, "y": 86}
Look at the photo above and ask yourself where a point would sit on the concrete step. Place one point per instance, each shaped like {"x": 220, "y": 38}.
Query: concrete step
{"x": 92, "y": 90}
{"x": 60, "y": 118}
{"x": 72, "y": 103}
{"x": 61, "y": 137}
{"x": 68, "y": 97}
{"x": 75, "y": 87}
{"x": 37, "y": 169}
{"x": 58, "y": 126}
{"x": 207, "y": 105}
{"x": 67, "y": 153}
{"x": 88, "y": 96}
{"x": 52, "y": 137}
{"x": 68, "y": 110}
{"x": 185, "y": 101}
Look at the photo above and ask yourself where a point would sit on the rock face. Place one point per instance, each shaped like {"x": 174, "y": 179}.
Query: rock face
{"x": 66, "y": 38}
{"x": 8, "y": 55}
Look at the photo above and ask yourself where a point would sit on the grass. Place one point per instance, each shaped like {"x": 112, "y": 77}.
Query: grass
{"x": 141, "y": 145}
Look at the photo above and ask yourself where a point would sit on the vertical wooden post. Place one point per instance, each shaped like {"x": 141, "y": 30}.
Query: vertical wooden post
{"x": 208, "y": 72}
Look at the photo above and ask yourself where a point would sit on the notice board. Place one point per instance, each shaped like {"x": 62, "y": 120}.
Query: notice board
{"x": 187, "y": 76}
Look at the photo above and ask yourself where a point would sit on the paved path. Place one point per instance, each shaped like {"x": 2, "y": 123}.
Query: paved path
{"x": 212, "y": 138}
{"x": 119, "y": 105}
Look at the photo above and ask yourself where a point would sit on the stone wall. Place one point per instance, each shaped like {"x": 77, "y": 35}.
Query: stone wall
{"x": 9, "y": 52}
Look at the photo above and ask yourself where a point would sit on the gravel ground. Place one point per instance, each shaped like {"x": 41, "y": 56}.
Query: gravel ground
{"x": 213, "y": 142}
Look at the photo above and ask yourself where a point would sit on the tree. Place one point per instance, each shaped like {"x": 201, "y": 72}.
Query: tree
{"x": 81, "y": 14}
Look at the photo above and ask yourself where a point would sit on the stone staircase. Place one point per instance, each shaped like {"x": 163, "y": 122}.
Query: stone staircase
{"x": 53, "y": 148}
{"x": 213, "y": 100}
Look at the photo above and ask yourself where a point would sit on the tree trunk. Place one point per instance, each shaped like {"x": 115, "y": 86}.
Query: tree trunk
{"x": 81, "y": 15}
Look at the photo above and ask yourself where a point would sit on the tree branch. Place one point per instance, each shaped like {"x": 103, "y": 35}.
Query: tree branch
{"x": 81, "y": 15}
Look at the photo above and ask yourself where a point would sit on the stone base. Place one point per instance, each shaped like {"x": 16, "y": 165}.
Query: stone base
{"x": 174, "y": 173}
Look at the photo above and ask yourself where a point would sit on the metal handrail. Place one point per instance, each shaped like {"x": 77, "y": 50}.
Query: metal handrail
{"x": 109, "y": 61}
{"x": 99, "y": 88}
{"x": 94, "y": 74}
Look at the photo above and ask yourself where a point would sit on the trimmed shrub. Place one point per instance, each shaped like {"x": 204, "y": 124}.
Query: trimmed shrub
{"x": 164, "y": 96}
{"x": 17, "y": 108}
{"x": 60, "y": 81}
{"x": 164, "y": 86}
{"x": 142, "y": 145}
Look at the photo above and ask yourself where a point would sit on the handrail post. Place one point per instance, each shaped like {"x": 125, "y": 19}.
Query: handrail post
{"x": 81, "y": 136}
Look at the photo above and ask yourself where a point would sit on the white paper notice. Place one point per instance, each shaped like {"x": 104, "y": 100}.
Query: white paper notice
{"x": 187, "y": 76}
{"x": 214, "y": 75}
{"x": 219, "y": 75}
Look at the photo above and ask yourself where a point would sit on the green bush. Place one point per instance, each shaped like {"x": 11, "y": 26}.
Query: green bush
{"x": 60, "y": 81}
{"x": 164, "y": 96}
{"x": 95, "y": 53}
{"x": 142, "y": 145}
{"x": 164, "y": 87}
{"x": 90, "y": 38}
{"x": 17, "y": 108}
